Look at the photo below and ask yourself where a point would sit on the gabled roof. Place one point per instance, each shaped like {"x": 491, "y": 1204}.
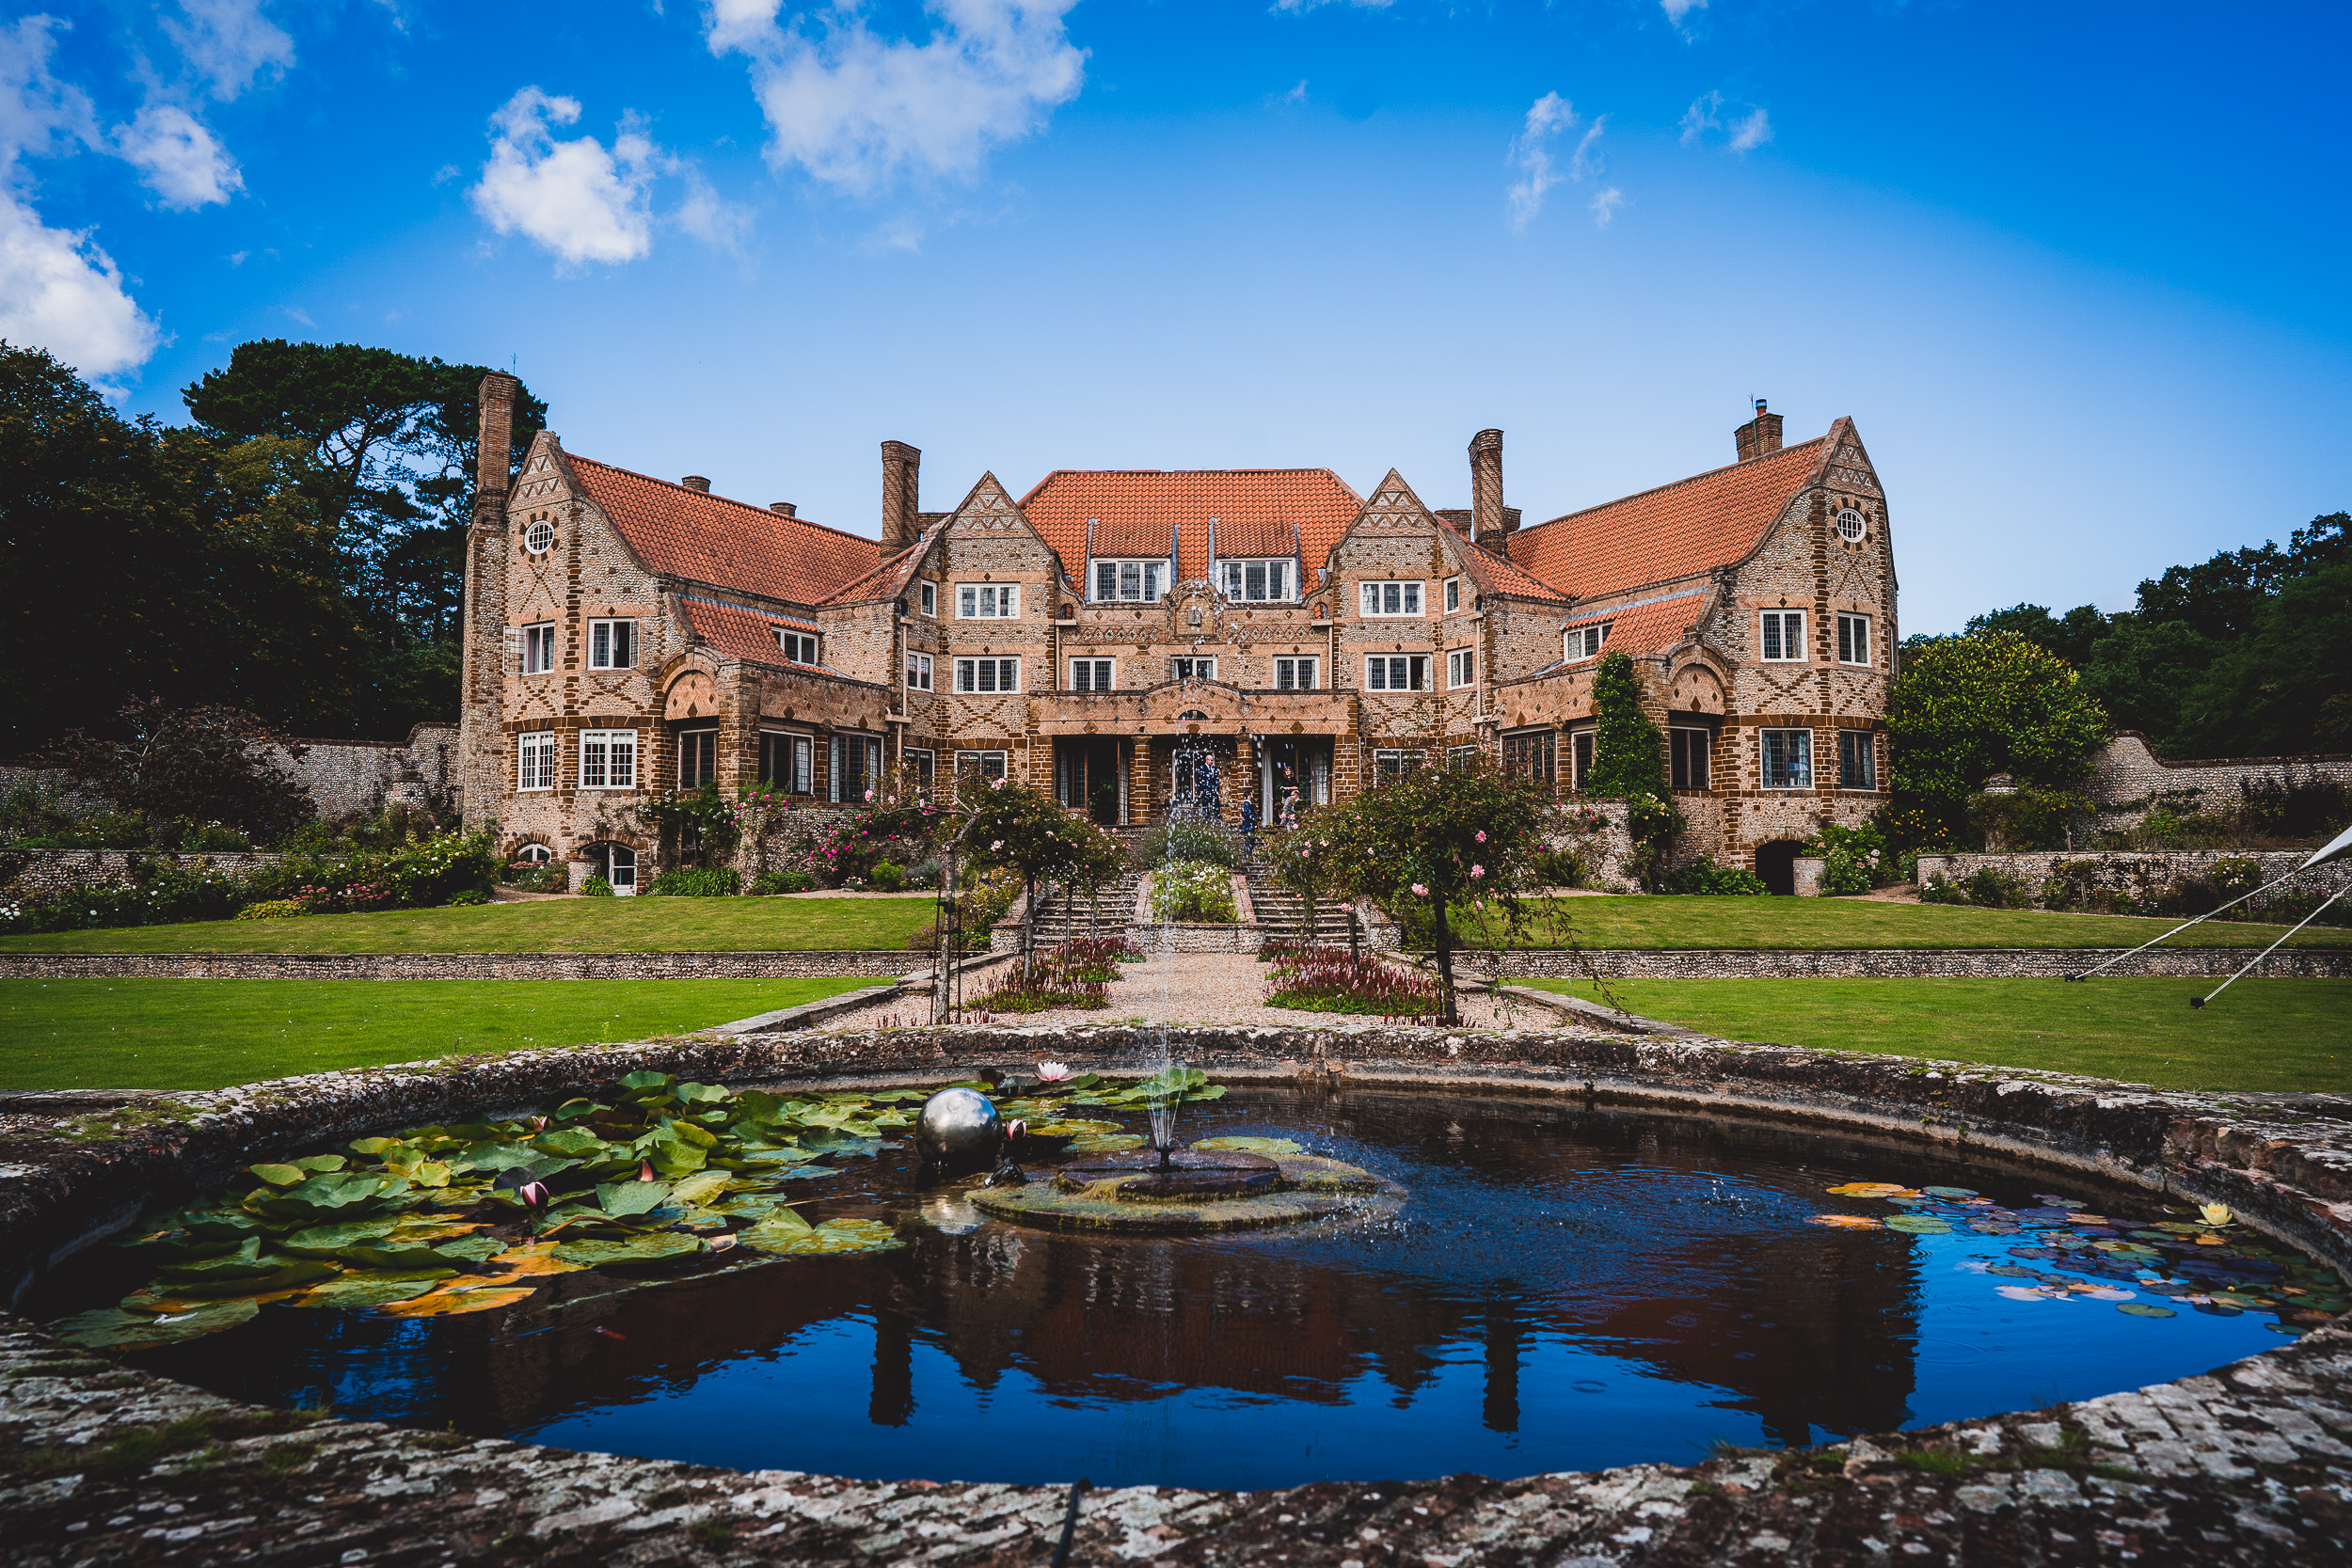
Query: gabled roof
{"x": 1648, "y": 628}
{"x": 705, "y": 538}
{"x": 735, "y": 632}
{"x": 1495, "y": 572}
{"x": 889, "y": 579}
{"x": 1259, "y": 511}
{"x": 1694, "y": 524}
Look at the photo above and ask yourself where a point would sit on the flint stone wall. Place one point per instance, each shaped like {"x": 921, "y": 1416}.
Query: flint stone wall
{"x": 782, "y": 965}
{"x": 2126, "y": 772}
{"x": 2143, "y": 873}
{"x": 58, "y": 870}
{"x": 1910, "y": 963}
{"x": 2244, "y": 1465}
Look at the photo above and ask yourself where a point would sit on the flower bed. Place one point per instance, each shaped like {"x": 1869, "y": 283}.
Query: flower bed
{"x": 1076, "y": 974}
{"x": 1332, "y": 980}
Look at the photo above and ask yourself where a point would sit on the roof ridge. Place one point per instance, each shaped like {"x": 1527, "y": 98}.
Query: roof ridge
{"x": 1674, "y": 484}
{"x": 728, "y": 500}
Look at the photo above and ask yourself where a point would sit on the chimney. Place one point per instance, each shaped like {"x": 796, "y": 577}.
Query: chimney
{"x": 1485, "y": 455}
{"x": 696, "y": 481}
{"x": 1759, "y": 436}
{"x": 784, "y": 509}
{"x": 494, "y": 450}
{"x": 902, "y": 496}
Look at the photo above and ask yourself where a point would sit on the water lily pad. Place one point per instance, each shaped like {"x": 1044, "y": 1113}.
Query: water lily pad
{"x": 2147, "y": 1309}
{"x": 355, "y": 1290}
{"x": 1109, "y": 1143}
{"x": 831, "y": 1236}
{"x": 111, "y": 1328}
{"x": 631, "y": 1198}
{"x": 455, "y": 1304}
{"x": 325, "y": 1241}
{"x": 1871, "y": 1188}
{"x": 1270, "y": 1146}
{"x": 700, "y": 1188}
{"x": 636, "y": 1252}
{"x": 1949, "y": 1192}
{"x": 280, "y": 1176}
{"x": 1919, "y": 1225}
{"x": 1072, "y": 1126}
{"x": 1846, "y": 1222}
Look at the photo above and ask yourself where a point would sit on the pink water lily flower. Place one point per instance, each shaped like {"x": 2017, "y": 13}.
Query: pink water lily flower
{"x": 1051, "y": 1072}
{"x": 533, "y": 1194}
{"x": 1419, "y": 892}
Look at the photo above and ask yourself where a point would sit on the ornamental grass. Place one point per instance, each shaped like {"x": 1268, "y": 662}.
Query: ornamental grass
{"x": 1332, "y": 980}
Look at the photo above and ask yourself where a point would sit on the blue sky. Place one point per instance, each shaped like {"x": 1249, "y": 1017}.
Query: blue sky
{"x": 2075, "y": 271}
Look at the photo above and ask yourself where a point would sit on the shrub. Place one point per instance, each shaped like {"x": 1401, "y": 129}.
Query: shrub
{"x": 1332, "y": 980}
{"x": 1856, "y": 858}
{"x": 1058, "y": 977}
{"x": 595, "y": 887}
{"x": 1193, "y": 890}
{"x": 1706, "y": 878}
{"x": 769, "y": 882}
{"x": 1989, "y": 887}
{"x": 2314, "y": 807}
{"x": 1198, "y": 842}
{"x": 1561, "y": 869}
{"x": 695, "y": 881}
{"x": 543, "y": 876}
{"x": 468, "y": 900}
{"x": 889, "y": 876}
{"x": 274, "y": 909}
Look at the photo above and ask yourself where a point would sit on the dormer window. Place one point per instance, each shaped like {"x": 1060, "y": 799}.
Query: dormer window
{"x": 1254, "y": 581}
{"x": 1141, "y": 580}
{"x": 1584, "y": 642}
{"x": 798, "y": 647}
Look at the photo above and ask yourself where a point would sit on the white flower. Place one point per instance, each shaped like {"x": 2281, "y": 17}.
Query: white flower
{"x": 1053, "y": 1073}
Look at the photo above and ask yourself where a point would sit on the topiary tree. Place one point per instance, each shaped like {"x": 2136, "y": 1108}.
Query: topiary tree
{"x": 1967, "y": 708}
{"x": 1435, "y": 844}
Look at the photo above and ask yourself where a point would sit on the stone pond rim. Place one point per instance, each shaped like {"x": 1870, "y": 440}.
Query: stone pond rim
{"x": 2246, "y": 1464}
{"x": 1198, "y": 1191}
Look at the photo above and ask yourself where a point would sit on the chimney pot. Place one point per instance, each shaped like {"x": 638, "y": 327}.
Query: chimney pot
{"x": 696, "y": 481}
{"x": 1486, "y": 509}
{"x": 1759, "y": 436}
{"x": 902, "y": 474}
{"x": 784, "y": 509}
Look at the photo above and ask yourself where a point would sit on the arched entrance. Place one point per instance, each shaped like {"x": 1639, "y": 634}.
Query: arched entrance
{"x": 1776, "y": 864}
{"x": 616, "y": 864}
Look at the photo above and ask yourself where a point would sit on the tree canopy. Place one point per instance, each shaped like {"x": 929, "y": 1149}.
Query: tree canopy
{"x": 1967, "y": 708}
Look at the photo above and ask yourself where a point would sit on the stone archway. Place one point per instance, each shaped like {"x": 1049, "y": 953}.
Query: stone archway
{"x": 1776, "y": 864}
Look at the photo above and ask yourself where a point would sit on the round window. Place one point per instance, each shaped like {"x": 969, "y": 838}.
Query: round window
{"x": 1851, "y": 524}
{"x": 539, "y": 537}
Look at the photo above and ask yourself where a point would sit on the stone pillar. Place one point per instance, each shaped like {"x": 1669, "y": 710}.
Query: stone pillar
{"x": 1487, "y": 511}
{"x": 1245, "y": 773}
{"x": 1139, "y": 780}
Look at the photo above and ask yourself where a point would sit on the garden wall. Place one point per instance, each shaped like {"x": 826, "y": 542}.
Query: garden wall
{"x": 816, "y": 963}
{"x": 2126, "y": 773}
{"x": 1905, "y": 963}
{"x": 24, "y": 871}
{"x": 2144, "y": 874}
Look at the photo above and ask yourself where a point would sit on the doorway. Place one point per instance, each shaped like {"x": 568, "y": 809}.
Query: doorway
{"x": 1293, "y": 774}
{"x": 1087, "y": 777}
{"x": 617, "y": 865}
{"x": 1776, "y": 864}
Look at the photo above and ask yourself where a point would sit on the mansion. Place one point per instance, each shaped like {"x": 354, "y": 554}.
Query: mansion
{"x": 628, "y": 636}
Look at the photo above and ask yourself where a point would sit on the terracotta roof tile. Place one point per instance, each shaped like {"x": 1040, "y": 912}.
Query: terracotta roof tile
{"x": 1648, "y": 629}
{"x": 1259, "y": 511}
{"x": 705, "y": 538}
{"x": 737, "y": 632}
{"x": 1499, "y": 574}
{"x": 1694, "y": 524}
{"x": 889, "y": 579}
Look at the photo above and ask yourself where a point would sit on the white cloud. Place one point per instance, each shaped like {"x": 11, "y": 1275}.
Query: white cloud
{"x": 578, "y": 198}
{"x": 61, "y": 292}
{"x": 1706, "y": 116}
{"x": 38, "y": 111}
{"x": 1296, "y": 95}
{"x": 710, "y": 218}
{"x": 180, "y": 159}
{"x": 1298, "y": 6}
{"x": 1677, "y": 9}
{"x": 854, "y": 109}
{"x": 229, "y": 42}
{"x": 1548, "y": 119}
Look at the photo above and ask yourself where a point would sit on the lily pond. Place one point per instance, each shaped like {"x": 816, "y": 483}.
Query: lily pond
{"x": 761, "y": 1280}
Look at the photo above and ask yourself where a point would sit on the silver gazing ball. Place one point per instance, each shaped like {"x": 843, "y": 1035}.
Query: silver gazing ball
{"x": 959, "y": 1126}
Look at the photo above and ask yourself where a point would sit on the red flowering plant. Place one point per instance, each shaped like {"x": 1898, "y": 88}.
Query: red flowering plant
{"x": 898, "y": 821}
{"x": 1437, "y": 848}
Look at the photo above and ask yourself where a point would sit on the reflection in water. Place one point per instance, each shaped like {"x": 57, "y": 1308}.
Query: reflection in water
{"x": 1564, "y": 1290}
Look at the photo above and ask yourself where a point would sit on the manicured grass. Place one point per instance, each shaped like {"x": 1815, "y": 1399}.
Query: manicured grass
{"x": 1849, "y": 923}
{"x": 206, "y": 1033}
{"x": 552, "y": 925}
{"x": 2259, "y": 1035}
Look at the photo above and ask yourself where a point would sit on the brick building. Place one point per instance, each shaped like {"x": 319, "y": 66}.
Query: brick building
{"x": 1106, "y": 632}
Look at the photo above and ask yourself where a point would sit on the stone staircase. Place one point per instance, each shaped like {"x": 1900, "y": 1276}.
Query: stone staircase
{"x": 1283, "y": 914}
{"x": 1063, "y": 913}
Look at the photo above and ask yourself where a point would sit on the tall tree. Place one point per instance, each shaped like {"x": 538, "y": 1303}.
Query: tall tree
{"x": 1968, "y": 707}
{"x": 2070, "y": 636}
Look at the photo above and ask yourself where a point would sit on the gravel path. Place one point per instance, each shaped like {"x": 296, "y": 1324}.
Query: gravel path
{"x": 1190, "y": 987}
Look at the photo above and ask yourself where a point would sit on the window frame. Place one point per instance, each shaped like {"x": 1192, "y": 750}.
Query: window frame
{"x": 1863, "y": 744}
{"x": 542, "y": 742}
{"x": 927, "y": 598}
{"x": 1295, "y": 660}
{"x": 1204, "y": 667}
{"x": 1417, "y": 671}
{"x": 1108, "y": 670}
{"x": 1581, "y": 750}
{"x": 1147, "y": 569}
{"x": 968, "y": 666}
{"x": 1860, "y": 524}
{"x": 606, "y": 625}
{"x": 1686, "y": 745}
{"x": 1596, "y": 632}
{"x": 998, "y": 593}
{"x": 538, "y": 639}
{"x": 801, "y": 643}
{"x": 1461, "y": 669}
{"x": 1371, "y": 591}
{"x": 1785, "y": 618}
{"x": 867, "y": 749}
{"x": 799, "y": 747}
{"x": 977, "y": 761}
{"x": 1852, "y": 628}
{"x": 920, "y": 674}
{"x": 701, "y": 739}
{"x": 924, "y": 760}
{"x": 1461, "y": 759}
{"x": 1391, "y": 764}
{"x": 607, "y": 740}
{"x": 1538, "y": 750}
{"x": 531, "y": 532}
{"x": 1454, "y": 596}
{"x": 1801, "y": 764}
{"x": 1233, "y": 579}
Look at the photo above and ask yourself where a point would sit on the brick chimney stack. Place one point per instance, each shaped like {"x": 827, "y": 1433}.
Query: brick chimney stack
{"x": 902, "y": 496}
{"x": 696, "y": 481}
{"x": 1490, "y": 522}
{"x": 784, "y": 509}
{"x": 494, "y": 449}
{"x": 1759, "y": 436}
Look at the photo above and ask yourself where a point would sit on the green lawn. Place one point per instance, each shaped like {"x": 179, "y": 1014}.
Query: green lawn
{"x": 206, "y": 1033}
{"x": 551, "y": 925}
{"x": 2261, "y": 1034}
{"x": 1648, "y": 922}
